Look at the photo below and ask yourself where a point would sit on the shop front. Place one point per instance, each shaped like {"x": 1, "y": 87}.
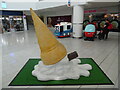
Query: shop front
{"x": 13, "y": 21}
{"x": 54, "y": 20}
{"x": 99, "y": 15}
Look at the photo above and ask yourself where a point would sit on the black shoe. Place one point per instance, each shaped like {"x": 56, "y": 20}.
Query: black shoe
{"x": 86, "y": 39}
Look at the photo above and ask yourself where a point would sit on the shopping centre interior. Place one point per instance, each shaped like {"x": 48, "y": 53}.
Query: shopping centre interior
{"x": 68, "y": 21}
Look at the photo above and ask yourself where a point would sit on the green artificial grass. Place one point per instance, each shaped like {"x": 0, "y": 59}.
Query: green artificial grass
{"x": 25, "y": 77}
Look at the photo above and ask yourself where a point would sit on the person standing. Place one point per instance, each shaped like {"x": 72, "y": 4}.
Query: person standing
{"x": 106, "y": 30}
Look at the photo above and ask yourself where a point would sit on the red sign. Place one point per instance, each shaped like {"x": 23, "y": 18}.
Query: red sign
{"x": 93, "y": 11}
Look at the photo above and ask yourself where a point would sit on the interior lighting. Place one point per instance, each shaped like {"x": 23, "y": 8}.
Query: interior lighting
{"x": 112, "y": 15}
{"x": 106, "y": 16}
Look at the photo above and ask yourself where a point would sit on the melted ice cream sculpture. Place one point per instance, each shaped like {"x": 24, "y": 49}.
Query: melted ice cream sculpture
{"x": 55, "y": 64}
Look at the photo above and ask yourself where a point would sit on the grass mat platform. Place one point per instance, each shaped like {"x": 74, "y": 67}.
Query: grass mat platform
{"x": 25, "y": 78}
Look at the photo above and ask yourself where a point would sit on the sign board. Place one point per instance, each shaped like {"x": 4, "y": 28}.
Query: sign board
{"x": 69, "y": 3}
{"x": 3, "y": 4}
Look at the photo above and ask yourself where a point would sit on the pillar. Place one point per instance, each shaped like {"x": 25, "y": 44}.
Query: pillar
{"x": 78, "y": 16}
{"x": 1, "y": 26}
{"x": 25, "y": 22}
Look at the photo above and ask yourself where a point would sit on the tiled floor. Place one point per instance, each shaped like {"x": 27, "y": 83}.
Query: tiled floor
{"x": 0, "y": 62}
{"x": 18, "y": 47}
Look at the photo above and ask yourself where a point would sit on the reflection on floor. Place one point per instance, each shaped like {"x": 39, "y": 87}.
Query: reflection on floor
{"x": 18, "y": 47}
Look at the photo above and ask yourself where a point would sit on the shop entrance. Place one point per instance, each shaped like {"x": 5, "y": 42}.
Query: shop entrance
{"x": 12, "y": 23}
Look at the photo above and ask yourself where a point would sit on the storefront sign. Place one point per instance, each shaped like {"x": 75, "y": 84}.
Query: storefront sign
{"x": 12, "y": 13}
{"x": 96, "y": 11}
{"x": 3, "y": 4}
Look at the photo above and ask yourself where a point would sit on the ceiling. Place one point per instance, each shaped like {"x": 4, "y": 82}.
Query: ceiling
{"x": 87, "y": 6}
{"x": 90, "y": 5}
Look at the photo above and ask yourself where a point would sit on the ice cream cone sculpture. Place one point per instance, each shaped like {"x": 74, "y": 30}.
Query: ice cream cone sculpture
{"x": 52, "y": 51}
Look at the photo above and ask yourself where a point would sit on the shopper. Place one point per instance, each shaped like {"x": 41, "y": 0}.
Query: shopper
{"x": 100, "y": 34}
{"x": 106, "y": 29}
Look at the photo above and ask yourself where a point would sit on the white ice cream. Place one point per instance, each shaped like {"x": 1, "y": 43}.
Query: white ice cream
{"x": 62, "y": 70}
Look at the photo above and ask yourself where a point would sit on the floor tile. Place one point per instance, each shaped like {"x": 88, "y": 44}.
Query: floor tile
{"x": 18, "y": 47}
